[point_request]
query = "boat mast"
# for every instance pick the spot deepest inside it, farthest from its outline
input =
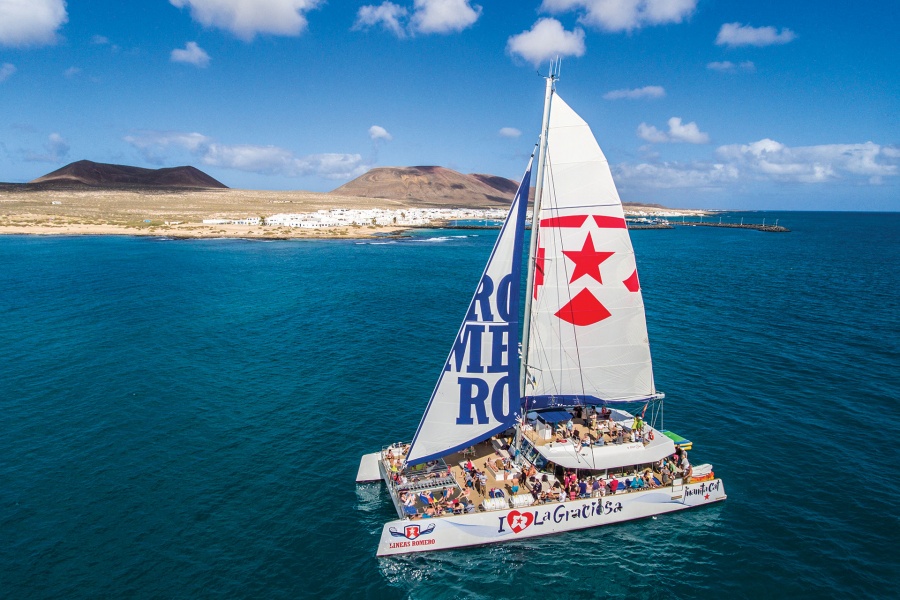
(535, 223)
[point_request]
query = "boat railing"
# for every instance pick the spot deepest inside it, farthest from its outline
(425, 484)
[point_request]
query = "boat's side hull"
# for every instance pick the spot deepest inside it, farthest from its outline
(402, 536)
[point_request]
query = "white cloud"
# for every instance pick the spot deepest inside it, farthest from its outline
(7, 70)
(377, 132)
(191, 54)
(509, 132)
(648, 91)
(678, 132)
(727, 66)
(768, 159)
(735, 34)
(623, 15)
(443, 16)
(427, 16)
(31, 22)
(545, 40)
(651, 134)
(668, 175)
(72, 72)
(387, 14)
(56, 150)
(688, 132)
(99, 40)
(154, 146)
(247, 18)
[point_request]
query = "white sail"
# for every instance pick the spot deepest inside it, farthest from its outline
(477, 394)
(588, 335)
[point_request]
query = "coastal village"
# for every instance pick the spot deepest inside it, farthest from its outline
(407, 217)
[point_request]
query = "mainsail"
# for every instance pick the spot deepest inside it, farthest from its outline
(588, 335)
(477, 394)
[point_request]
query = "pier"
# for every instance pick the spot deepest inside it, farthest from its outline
(776, 228)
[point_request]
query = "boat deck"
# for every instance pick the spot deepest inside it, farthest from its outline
(440, 488)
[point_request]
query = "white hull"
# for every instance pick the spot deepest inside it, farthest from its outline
(424, 535)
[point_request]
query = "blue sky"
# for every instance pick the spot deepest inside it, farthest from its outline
(701, 103)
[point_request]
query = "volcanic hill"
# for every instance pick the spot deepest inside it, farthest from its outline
(89, 173)
(431, 186)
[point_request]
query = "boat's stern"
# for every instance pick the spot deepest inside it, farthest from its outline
(368, 468)
(703, 492)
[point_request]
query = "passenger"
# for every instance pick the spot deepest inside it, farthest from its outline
(688, 470)
(637, 483)
(561, 494)
(582, 489)
(613, 485)
(602, 487)
(595, 488)
(536, 490)
(469, 466)
(409, 504)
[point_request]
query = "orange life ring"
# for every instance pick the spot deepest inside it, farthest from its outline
(651, 434)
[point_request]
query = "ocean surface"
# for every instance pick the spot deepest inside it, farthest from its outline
(184, 419)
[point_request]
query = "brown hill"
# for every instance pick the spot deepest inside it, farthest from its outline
(86, 172)
(435, 186)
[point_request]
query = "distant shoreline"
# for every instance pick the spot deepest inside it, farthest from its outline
(180, 213)
(194, 231)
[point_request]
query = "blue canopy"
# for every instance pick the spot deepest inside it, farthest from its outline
(554, 416)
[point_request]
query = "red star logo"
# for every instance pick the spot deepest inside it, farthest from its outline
(706, 497)
(587, 260)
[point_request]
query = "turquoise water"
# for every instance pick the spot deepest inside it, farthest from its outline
(185, 418)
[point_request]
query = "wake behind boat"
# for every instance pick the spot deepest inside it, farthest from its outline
(547, 435)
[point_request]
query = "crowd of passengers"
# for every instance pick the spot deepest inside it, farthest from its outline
(602, 429)
(449, 500)
(573, 487)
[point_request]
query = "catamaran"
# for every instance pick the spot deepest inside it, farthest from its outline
(547, 433)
